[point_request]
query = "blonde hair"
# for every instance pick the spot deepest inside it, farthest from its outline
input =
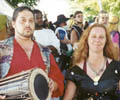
(113, 23)
(81, 54)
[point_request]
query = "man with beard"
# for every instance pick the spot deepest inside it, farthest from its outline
(21, 53)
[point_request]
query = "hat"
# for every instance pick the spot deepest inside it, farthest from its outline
(60, 18)
(113, 19)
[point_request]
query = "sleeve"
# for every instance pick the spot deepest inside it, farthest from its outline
(119, 71)
(57, 76)
(75, 75)
(61, 34)
(70, 75)
(55, 41)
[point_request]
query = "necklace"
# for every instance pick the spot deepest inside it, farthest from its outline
(97, 73)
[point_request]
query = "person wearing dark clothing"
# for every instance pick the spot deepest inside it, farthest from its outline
(77, 28)
(95, 74)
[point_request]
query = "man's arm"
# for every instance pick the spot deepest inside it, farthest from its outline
(56, 75)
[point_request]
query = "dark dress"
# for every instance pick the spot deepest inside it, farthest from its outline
(107, 88)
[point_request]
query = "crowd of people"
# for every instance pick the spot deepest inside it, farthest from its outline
(80, 58)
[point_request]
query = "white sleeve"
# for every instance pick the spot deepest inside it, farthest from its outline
(55, 41)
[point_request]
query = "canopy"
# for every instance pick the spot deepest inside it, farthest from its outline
(5, 8)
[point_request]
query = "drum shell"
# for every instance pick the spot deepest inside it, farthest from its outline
(22, 86)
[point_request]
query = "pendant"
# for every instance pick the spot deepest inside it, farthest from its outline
(95, 83)
(96, 79)
(90, 98)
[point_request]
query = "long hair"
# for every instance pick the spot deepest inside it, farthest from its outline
(82, 53)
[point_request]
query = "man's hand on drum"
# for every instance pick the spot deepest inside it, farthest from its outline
(52, 85)
(2, 97)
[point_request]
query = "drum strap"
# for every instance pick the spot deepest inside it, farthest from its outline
(46, 57)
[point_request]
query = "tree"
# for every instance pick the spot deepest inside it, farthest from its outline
(30, 3)
(91, 7)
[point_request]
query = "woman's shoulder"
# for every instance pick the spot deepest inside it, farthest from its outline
(75, 73)
(80, 64)
(77, 67)
(114, 64)
(111, 61)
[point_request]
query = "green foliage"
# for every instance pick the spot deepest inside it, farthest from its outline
(15, 3)
(91, 7)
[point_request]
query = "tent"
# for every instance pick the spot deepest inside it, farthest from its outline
(5, 8)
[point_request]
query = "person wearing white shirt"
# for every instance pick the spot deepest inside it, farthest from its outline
(45, 37)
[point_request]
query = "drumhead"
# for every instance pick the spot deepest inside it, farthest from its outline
(38, 84)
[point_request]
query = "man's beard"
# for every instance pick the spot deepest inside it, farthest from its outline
(28, 35)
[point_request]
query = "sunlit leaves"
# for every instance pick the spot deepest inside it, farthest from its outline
(30, 3)
(91, 7)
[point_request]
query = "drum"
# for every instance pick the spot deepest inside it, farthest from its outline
(29, 85)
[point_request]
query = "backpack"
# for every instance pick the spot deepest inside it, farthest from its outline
(78, 30)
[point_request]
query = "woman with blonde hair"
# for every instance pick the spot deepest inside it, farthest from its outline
(95, 74)
(113, 29)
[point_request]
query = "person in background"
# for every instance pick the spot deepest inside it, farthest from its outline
(61, 31)
(45, 24)
(21, 53)
(45, 37)
(51, 26)
(103, 18)
(77, 28)
(95, 74)
(65, 44)
(113, 29)
(95, 19)
(86, 24)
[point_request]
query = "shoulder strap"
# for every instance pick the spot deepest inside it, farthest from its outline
(6, 54)
(45, 53)
(78, 30)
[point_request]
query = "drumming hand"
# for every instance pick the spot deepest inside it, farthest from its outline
(53, 85)
(2, 97)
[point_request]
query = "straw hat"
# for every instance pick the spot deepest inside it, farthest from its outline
(114, 19)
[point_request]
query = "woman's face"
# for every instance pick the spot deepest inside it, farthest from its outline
(97, 39)
(79, 18)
